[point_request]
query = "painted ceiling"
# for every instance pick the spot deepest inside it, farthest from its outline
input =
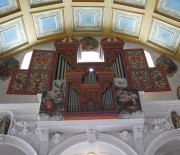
(24, 23)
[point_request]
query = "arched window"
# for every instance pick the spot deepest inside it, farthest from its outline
(26, 60)
(149, 59)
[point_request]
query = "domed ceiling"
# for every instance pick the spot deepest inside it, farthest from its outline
(24, 23)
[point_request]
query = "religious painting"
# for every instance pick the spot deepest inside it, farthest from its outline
(120, 82)
(7, 67)
(4, 125)
(178, 92)
(89, 44)
(175, 119)
(128, 100)
(167, 64)
(5, 122)
(53, 102)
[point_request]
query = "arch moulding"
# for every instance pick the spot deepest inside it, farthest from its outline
(100, 137)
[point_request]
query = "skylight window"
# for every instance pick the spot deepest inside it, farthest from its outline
(26, 60)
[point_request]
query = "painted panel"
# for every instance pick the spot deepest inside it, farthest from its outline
(169, 7)
(7, 6)
(173, 4)
(133, 2)
(164, 35)
(127, 23)
(9, 35)
(87, 19)
(48, 23)
(12, 34)
(32, 2)
(4, 3)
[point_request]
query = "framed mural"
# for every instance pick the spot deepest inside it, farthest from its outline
(128, 100)
(89, 44)
(167, 64)
(6, 68)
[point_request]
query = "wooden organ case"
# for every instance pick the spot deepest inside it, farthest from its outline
(90, 94)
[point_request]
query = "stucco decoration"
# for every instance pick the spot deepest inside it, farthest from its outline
(126, 22)
(6, 68)
(19, 144)
(169, 7)
(100, 137)
(87, 18)
(12, 34)
(8, 6)
(164, 35)
(48, 23)
(167, 64)
(161, 139)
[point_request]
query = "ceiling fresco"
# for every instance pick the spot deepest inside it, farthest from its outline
(24, 23)
(140, 3)
(38, 3)
(12, 34)
(169, 7)
(48, 23)
(165, 35)
(86, 19)
(126, 22)
(7, 6)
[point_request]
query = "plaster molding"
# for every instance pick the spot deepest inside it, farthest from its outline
(162, 139)
(100, 137)
(137, 131)
(19, 143)
(44, 135)
(91, 135)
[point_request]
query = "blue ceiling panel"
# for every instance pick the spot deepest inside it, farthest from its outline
(9, 35)
(49, 23)
(169, 7)
(4, 3)
(88, 19)
(126, 23)
(173, 4)
(165, 35)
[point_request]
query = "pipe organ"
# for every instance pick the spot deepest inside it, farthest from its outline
(90, 94)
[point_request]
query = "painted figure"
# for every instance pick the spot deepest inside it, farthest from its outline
(175, 119)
